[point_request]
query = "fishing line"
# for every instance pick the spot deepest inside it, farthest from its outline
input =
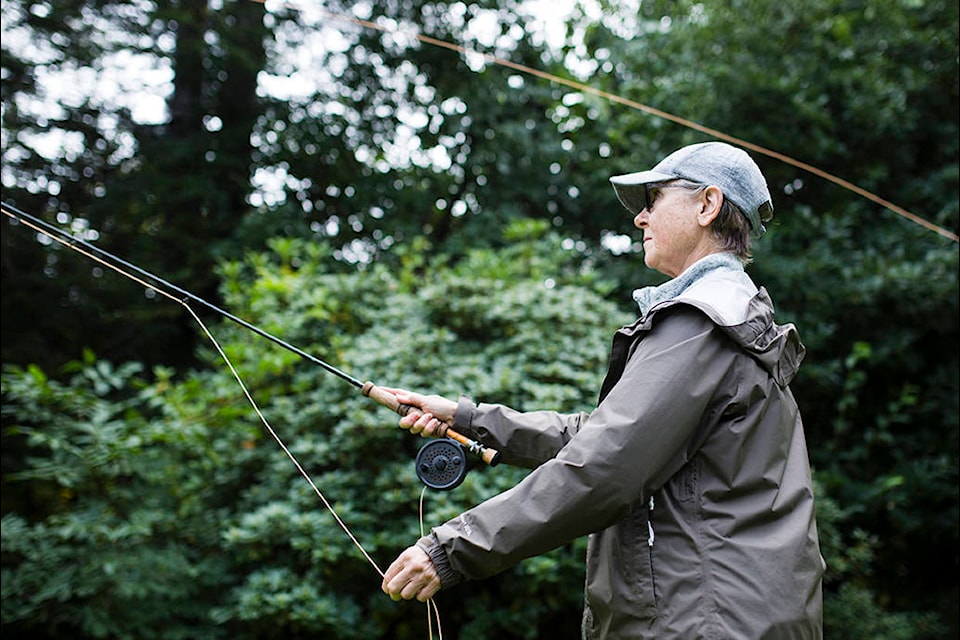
(612, 97)
(432, 610)
(58, 236)
(158, 284)
(84, 248)
(370, 390)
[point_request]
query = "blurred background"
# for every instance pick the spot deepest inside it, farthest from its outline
(419, 213)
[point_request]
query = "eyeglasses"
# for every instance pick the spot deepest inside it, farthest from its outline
(656, 187)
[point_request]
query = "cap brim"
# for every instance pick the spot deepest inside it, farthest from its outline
(631, 188)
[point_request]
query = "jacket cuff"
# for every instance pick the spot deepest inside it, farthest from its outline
(449, 576)
(463, 418)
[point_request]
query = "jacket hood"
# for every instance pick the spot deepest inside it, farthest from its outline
(746, 314)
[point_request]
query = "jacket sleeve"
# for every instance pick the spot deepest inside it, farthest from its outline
(643, 431)
(523, 439)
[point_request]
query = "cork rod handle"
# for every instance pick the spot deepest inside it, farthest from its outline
(387, 399)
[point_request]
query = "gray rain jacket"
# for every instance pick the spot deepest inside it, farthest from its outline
(691, 478)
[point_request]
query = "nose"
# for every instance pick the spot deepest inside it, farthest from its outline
(640, 220)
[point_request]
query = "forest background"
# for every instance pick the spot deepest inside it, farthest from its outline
(432, 218)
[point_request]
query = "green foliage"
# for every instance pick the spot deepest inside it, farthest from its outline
(401, 168)
(171, 493)
(119, 531)
(492, 325)
(851, 609)
(131, 183)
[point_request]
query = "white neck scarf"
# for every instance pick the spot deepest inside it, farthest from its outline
(647, 297)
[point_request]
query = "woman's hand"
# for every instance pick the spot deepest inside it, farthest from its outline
(411, 575)
(429, 413)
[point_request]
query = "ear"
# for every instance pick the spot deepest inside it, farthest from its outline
(710, 200)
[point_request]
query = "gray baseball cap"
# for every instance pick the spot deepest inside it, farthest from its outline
(708, 163)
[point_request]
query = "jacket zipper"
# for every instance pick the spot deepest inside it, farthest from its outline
(650, 524)
(650, 539)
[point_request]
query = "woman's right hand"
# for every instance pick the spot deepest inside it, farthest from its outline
(430, 415)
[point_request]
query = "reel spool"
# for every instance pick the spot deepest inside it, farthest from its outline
(442, 464)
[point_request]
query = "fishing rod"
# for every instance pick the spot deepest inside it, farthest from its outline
(439, 463)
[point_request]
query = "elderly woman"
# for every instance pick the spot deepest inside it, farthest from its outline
(691, 476)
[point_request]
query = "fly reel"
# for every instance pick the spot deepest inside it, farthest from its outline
(442, 464)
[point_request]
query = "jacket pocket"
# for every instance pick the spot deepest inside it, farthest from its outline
(620, 577)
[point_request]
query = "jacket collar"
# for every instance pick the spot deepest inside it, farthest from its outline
(647, 297)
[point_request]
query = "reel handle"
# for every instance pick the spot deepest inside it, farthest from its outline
(387, 399)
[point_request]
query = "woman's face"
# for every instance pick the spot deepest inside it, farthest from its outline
(673, 236)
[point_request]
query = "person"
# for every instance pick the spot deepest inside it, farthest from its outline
(691, 476)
